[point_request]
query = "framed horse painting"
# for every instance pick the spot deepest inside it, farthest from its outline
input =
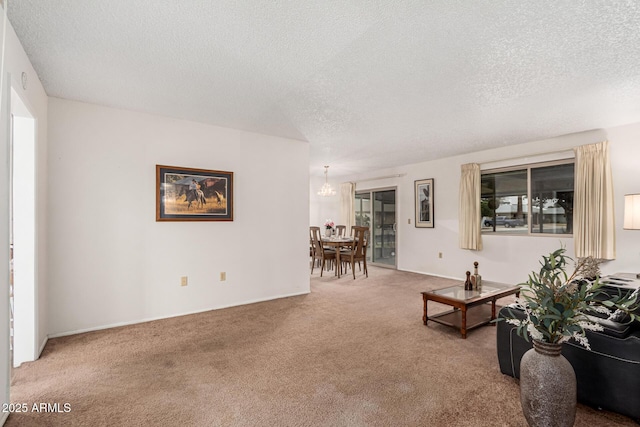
(187, 194)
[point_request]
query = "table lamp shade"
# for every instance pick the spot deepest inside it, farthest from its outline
(632, 212)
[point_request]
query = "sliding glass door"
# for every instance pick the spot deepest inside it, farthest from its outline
(376, 209)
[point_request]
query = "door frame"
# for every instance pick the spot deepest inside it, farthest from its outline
(375, 190)
(23, 230)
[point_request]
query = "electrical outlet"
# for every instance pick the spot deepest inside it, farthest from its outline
(184, 281)
(439, 254)
(223, 276)
(409, 221)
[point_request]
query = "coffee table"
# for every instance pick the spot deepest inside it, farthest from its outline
(461, 317)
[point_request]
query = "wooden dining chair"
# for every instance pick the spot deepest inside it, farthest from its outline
(366, 241)
(353, 229)
(312, 249)
(320, 253)
(365, 246)
(341, 230)
(358, 250)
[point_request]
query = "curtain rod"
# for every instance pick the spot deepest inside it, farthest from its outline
(398, 175)
(569, 153)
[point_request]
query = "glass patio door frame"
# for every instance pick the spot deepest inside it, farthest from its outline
(373, 220)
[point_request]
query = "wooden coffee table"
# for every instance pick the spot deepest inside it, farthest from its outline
(461, 317)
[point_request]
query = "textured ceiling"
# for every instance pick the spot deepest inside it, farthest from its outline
(369, 84)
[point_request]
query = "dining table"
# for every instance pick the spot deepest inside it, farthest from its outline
(337, 243)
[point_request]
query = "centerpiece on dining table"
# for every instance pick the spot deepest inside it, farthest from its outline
(329, 227)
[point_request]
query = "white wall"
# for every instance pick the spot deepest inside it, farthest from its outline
(35, 99)
(112, 263)
(503, 258)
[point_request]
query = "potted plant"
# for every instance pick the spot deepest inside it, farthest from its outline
(559, 307)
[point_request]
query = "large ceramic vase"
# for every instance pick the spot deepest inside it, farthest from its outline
(547, 386)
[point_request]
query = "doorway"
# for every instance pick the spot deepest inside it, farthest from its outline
(376, 209)
(22, 285)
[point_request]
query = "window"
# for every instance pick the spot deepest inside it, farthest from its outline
(535, 199)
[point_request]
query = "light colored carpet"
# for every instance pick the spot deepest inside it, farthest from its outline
(351, 353)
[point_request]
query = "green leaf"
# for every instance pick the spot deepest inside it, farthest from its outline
(555, 311)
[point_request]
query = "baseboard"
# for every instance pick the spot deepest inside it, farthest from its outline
(433, 274)
(460, 279)
(44, 343)
(35, 356)
(151, 319)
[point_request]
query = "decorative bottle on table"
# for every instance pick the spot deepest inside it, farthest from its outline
(468, 286)
(476, 279)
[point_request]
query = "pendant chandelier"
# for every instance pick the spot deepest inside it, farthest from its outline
(326, 189)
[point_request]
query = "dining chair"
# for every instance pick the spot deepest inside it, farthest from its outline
(358, 250)
(365, 246)
(320, 253)
(341, 230)
(312, 246)
(366, 241)
(312, 249)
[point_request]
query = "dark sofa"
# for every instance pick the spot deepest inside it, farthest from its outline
(608, 376)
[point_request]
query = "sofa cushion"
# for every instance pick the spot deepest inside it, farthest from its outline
(619, 316)
(614, 328)
(610, 327)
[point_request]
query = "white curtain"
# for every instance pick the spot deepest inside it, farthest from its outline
(594, 222)
(347, 202)
(469, 208)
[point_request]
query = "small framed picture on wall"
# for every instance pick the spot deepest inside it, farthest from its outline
(424, 203)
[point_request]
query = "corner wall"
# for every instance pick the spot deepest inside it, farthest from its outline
(112, 263)
(35, 98)
(504, 258)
